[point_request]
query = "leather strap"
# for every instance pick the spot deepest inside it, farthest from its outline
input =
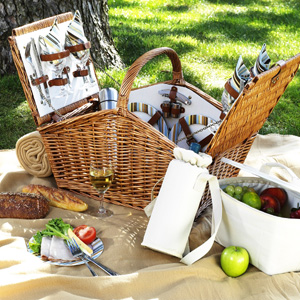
(173, 93)
(275, 79)
(155, 118)
(78, 47)
(55, 56)
(80, 73)
(176, 110)
(282, 64)
(166, 108)
(39, 80)
(187, 131)
(232, 92)
(222, 115)
(58, 82)
(206, 140)
(66, 70)
(56, 118)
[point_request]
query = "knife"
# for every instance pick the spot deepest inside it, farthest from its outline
(34, 75)
(179, 97)
(40, 70)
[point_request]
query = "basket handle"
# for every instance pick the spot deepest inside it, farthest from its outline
(133, 71)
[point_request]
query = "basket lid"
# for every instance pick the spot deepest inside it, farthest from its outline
(42, 87)
(293, 185)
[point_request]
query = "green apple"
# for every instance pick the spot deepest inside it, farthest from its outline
(234, 261)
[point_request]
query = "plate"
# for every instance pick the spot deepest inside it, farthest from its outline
(195, 122)
(97, 246)
(145, 112)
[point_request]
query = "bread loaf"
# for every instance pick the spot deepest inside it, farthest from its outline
(57, 197)
(23, 206)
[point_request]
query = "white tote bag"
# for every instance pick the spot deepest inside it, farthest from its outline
(174, 210)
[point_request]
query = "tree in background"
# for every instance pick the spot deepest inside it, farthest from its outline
(94, 15)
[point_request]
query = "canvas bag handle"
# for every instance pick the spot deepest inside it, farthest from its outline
(172, 213)
(293, 185)
(266, 168)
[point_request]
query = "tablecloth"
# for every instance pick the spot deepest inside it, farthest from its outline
(145, 274)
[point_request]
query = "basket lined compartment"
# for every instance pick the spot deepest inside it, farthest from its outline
(141, 154)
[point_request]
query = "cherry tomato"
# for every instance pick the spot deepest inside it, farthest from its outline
(87, 234)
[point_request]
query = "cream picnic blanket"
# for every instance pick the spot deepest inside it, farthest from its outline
(32, 156)
(145, 274)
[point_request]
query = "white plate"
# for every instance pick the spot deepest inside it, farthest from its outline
(145, 112)
(195, 122)
(97, 246)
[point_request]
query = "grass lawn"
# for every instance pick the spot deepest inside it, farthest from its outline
(209, 36)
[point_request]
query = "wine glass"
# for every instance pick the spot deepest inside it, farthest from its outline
(75, 36)
(50, 44)
(101, 177)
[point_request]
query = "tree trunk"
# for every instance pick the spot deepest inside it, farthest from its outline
(94, 13)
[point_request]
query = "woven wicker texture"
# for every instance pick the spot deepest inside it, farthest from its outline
(139, 153)
(254, 105)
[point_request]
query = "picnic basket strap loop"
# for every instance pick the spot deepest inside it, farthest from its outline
(136, 67)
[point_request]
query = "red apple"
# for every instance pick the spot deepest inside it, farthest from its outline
(279, 193)
(270, 204)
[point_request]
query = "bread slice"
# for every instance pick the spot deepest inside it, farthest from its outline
(57, 197)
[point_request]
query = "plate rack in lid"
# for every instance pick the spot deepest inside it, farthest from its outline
(76, 102)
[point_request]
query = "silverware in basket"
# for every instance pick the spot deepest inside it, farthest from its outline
(34, 76)
(84, 257)
(76, 252)
(40, 69)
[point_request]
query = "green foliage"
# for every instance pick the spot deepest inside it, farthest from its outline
(15, 115)
(208, 35)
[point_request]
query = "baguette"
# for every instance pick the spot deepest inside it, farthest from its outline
(57, 197)
(23, 206)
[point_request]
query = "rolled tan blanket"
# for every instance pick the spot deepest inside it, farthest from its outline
(32, 156)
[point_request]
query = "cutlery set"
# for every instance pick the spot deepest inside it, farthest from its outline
(51, 54)
(77, 252)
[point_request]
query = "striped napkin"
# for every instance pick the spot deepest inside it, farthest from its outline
(50, 44)
(262, 62)
(75, 35)
(239, 79)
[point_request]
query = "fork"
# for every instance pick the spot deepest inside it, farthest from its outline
(87, 257)
(76, 252)
(29, 59)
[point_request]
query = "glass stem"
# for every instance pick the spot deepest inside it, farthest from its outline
(101, 208)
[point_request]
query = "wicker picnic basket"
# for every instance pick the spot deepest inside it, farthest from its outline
(141, 154)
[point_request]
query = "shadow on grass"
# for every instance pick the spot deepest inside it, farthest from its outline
(251, 26)
(14, 110)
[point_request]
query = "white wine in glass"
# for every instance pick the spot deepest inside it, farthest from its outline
(101, 178)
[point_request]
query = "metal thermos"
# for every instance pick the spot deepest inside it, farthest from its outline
(108, 98)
